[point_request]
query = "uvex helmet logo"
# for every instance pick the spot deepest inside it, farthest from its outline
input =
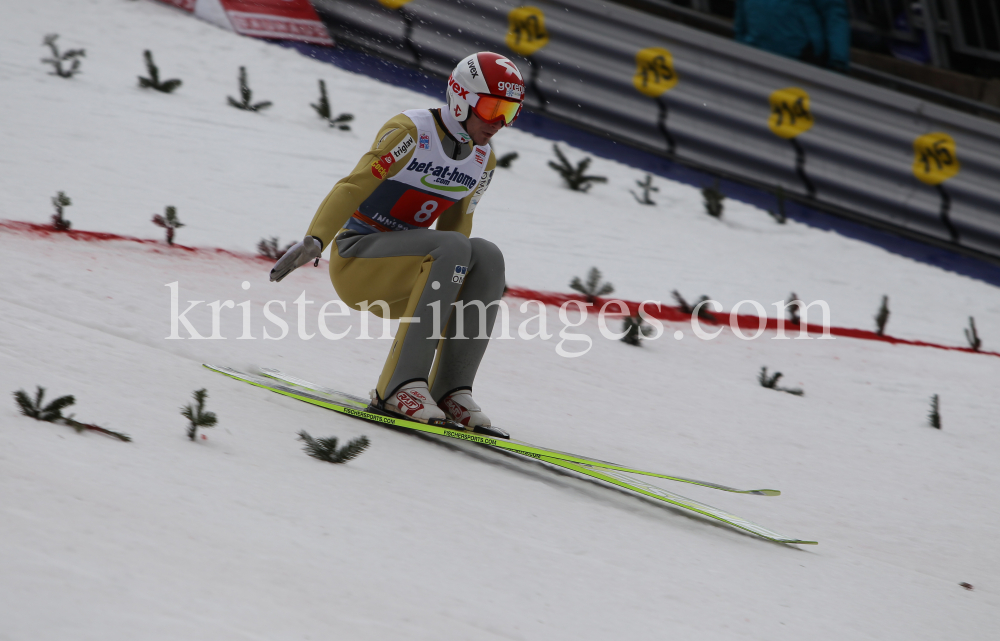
(509, 66)
(473, 69)
(457, 88)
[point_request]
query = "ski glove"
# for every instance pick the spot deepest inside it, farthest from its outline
(299, 254)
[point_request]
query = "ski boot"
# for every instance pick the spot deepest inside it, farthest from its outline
(462, 409)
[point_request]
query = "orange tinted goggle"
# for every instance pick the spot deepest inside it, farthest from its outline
(491, 109)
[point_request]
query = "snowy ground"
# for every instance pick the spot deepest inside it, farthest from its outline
(242, 536)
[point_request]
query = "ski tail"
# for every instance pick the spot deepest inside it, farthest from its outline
(615, 478)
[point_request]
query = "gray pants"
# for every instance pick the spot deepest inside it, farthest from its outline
(416, 272)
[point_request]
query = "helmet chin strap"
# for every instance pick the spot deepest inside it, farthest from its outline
(455, 128)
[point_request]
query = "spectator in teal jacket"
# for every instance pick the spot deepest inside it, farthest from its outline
(814, 31)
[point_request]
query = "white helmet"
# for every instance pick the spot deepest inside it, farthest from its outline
(488, 75)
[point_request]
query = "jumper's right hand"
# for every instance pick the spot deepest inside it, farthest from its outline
(309, 248)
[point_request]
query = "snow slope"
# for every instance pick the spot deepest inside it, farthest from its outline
(242, 536)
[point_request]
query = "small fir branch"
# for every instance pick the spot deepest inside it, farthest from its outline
(268, 248)
(322, 108)
(793, 305)
(646, 186)
(196, 414)
(713, 200)
(779, 213)
(683, 305)
(170, 222)
(771, 382)
(246, 103)
(52, 412)
(972, 336)
(507, 160)
(576, 177)
(59, 201)
(72, 56)
(593, 288)
(934, 416)
(882, 317)
(325, 449)
(153, 81)
(34, 408)
(635, 329)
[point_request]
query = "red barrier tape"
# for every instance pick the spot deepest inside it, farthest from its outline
(745, 322)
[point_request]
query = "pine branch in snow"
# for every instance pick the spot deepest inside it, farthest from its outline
(593, 288)
(323, 109)
(325, 449)
(196, 414)
(972, 336)
(72, 56)
(507, 160)
(52, 412)
(34, 408)
(934, 417)
(153, 81)
(683, 305)
(635, 329)
(793, 305)
(882, 317)
(59, 201)
(268, 248)
(713, 200)
(646, 186)
(246, 101)
(771, 382)
(576, 177)
(170, 222)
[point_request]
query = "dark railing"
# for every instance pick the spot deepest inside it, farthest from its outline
(967, 27)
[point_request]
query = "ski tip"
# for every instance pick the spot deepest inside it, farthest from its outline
(765, 492)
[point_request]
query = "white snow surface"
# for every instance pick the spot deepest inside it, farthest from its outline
(243, 536)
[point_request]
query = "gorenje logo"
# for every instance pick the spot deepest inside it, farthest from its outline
(513, 90)
(442, 177)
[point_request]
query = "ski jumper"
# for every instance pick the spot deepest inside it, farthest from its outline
(421, 169)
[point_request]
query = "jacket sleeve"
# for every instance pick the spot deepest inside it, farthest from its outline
(458, 217)
(352, 190)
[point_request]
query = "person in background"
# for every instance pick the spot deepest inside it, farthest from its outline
(813, 31)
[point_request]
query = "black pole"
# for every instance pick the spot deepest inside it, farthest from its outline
(533, 83)
(662, 122)
(800, 168)
(407, 35)
(946, 213)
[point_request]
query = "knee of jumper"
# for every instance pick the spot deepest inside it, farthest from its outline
(452, 246)
(487, 256)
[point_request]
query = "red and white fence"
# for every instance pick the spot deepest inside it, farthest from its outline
(279, 19)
